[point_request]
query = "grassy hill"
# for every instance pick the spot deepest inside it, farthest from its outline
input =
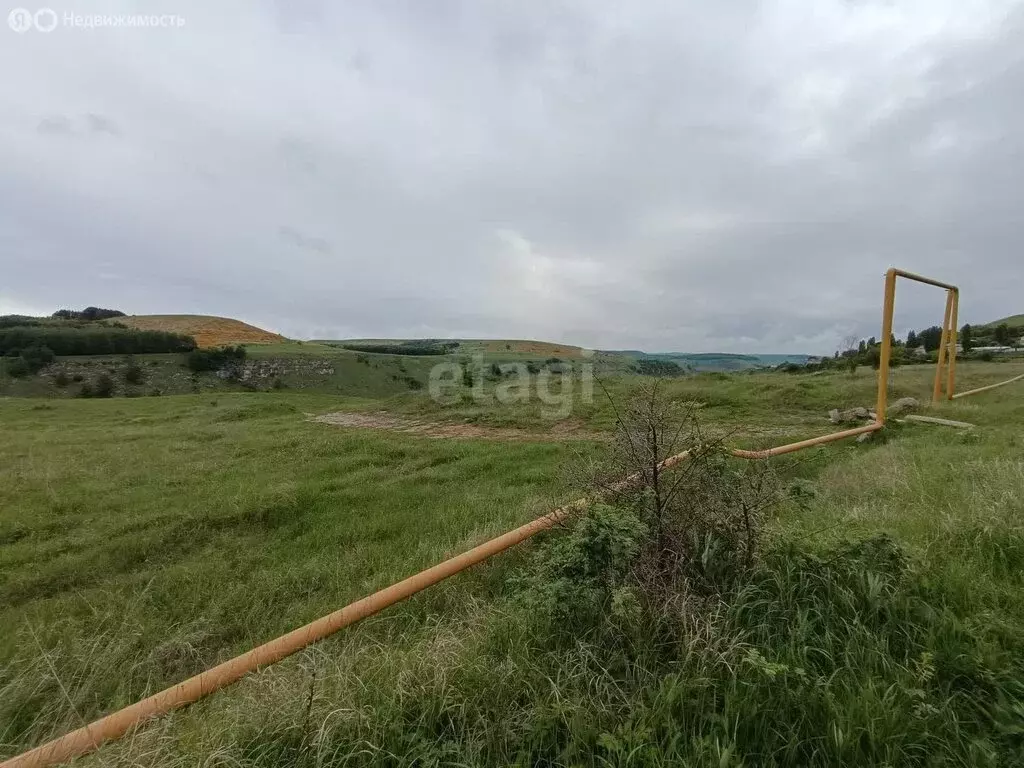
(207, 330)
(1014, 321)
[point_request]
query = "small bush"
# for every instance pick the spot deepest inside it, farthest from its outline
(199, 360)
(61, 378)
(103, 386)
(85, 390)
(77, 378)
(134, 374)
(575, 577)
(17, 367)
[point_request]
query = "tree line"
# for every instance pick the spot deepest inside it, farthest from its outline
(95, 340)
(29, 343)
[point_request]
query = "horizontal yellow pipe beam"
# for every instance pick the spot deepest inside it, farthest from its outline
(990, 386)
(778, 451)
(922, 279)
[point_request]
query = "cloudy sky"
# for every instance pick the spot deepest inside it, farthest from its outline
(695, 176)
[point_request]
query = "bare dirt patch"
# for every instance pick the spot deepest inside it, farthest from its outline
(561, 430)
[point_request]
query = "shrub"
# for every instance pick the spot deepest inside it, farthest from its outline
(61, 378)
(199, 360)
(575, 576)
(77, 377)
(692, 534)
(17, 367)
(133, 374)
(85, 390)
(103, 386)
(532, 368)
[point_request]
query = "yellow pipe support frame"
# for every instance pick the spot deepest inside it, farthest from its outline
(943, 347)
(947, 346)
(986, 389)
(89, 737)
(951, 370)
(886, 351)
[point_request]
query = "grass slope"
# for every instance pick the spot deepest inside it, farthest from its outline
(142, 540)
(500, 347)
(207, 330)
(1014, 321)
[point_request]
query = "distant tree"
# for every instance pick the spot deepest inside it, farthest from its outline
(88, 314)
(872, 342)
(965, 337)
(1002, 335)
(875, 357)
(862, 347)
(912, 341)
(893, 341)
(931, 338)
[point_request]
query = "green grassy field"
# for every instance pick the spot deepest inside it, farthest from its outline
(142, 540)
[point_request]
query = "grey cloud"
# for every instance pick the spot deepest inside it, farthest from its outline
(100, 124)
(294, 237)
(658, 175)
(56, 125)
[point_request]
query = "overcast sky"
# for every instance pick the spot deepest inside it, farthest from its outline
(687, 176)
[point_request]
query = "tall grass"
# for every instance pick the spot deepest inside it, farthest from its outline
(882, 625)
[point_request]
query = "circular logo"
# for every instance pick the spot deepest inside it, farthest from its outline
(20, 20)
(45, 19)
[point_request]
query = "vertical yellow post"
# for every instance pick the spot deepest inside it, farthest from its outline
(883, 359)
(937, 386)
(951, 372)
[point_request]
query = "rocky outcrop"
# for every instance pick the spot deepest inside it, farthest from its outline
(261, 371)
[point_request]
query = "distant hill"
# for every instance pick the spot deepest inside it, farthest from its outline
(1014, 321)
(715, 361)
(527, 348)
(208, 331)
